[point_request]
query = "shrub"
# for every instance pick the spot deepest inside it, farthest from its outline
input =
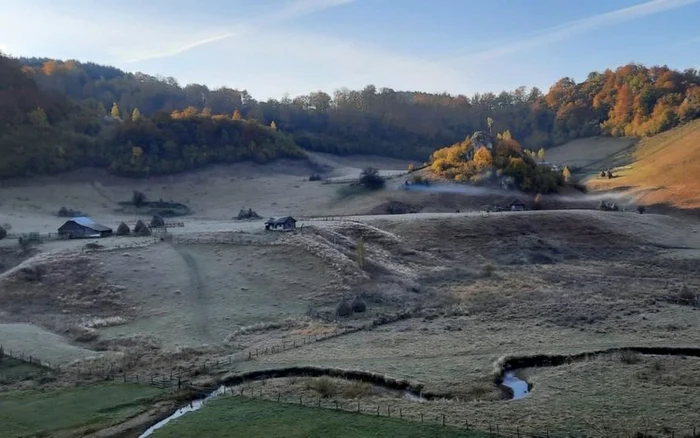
(343, 308)
(641, 209)
(3, 233)
(157, 222)
(357, 389)
(357, 305)
(140, 229)
(324, 386)
(487, 271)
(123, 230)
(686, 296)
(315, 177)
(371, 179)
(138, 198)
(629, 357)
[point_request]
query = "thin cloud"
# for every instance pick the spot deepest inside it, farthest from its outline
(294, 9)
(571, 29)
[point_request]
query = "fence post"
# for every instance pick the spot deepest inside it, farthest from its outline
(421, 417)
(300, 399)
(388, 411)
(377, 410)
(517, 431)
(358, 406)
(400, 413)
(279, 394)
(443, 420)
(336, 407)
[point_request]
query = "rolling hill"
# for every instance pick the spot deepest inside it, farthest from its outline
(665, 169)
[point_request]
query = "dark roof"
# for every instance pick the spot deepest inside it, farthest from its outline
(516, 201)
(89, 223)
(279, 220)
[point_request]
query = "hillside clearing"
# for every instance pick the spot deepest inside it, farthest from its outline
(591, 155)
(665, 169)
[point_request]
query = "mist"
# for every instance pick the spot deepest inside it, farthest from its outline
(470, 190)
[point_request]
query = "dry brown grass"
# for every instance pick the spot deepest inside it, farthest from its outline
(665, 169)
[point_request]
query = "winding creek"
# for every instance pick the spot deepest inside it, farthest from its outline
(515, 387)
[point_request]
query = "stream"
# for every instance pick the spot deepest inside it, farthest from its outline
(191, 407)
(519, 387)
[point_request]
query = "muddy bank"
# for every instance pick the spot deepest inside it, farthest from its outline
(510, 363)
(309, 371)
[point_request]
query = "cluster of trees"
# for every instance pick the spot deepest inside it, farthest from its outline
(42, 131)
(505, 162)
(632, 100)
(55, 116)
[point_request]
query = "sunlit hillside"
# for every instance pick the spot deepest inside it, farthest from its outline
(665, 170)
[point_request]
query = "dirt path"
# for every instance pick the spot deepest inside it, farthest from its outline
(199, 294)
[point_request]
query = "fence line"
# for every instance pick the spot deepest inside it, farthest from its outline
(437, 417)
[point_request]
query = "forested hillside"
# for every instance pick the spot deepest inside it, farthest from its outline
(43, 131)
(632, 100)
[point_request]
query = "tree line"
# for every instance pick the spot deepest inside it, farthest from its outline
(44, 131)
(206, 125)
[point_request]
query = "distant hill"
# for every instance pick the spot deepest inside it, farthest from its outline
(665, 169)
(42, 131)
(632, 100)
(136, 124)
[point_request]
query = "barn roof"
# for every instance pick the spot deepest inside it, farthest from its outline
(89, 223)
(279, 220)
(516, 201)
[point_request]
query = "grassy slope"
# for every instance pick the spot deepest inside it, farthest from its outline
(237, 417)
(666, 169)
(67, 412)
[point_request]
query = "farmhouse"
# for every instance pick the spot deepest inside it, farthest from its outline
(79, 227)
(281, 223)
(516, 205)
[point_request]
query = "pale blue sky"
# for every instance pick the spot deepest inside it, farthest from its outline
(272, 47)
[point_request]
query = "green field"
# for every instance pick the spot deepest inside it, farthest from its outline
(14, 370)
(69, 412)
(239, 417)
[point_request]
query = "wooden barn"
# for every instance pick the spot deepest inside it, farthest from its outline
(281, 223)
(516, 205)
(80, 227)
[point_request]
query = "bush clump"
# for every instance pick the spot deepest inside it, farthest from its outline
(343, 308)
(138, 198)
(371, 179)
(140, 229)
(357, 389)
(157, 222)
(123, 230)
(686, 296)
(487, 270)
(324, 386)
(315, 177)
(629, 357)
(641, 209)
(358, 305)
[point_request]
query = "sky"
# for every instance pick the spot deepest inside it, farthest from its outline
(277, 47)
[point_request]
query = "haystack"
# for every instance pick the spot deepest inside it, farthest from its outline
(140, 229)
(157, 222)
(343, 308)
(123, 230)
(357, 305)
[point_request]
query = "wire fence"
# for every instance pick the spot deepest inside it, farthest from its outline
(420, 414)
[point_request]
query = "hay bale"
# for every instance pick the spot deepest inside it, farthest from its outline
(343, 308)
(140, 229)
(357, 305)
(157, 222)
(123, 230)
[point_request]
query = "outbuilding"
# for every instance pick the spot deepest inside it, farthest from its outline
(80, 227)
(516, 205)
(281, 223)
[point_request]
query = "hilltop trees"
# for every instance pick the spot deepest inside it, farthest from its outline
(457, 162)
(183, 127)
